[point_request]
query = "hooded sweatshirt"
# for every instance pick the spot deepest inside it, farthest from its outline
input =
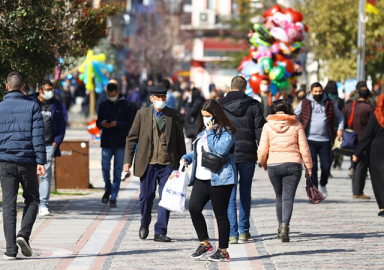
(318, 128)
(246, 114)
(283, 140)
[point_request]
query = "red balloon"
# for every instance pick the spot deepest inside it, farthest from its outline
(295, 15)
(289, 66)
(254, 82)
(306, 28)
(274, 9)
(93, 129)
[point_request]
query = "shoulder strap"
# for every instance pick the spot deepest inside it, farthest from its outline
(350, 121)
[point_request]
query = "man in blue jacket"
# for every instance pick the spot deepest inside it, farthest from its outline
(22, 152)
(54, 131)
(115, 118)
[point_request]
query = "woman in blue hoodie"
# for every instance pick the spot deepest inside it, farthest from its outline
(216, 135)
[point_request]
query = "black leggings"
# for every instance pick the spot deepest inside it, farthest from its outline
(202, 192)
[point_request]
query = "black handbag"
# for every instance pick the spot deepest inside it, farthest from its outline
(213, 162)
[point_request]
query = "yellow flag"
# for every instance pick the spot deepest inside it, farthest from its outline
(369, 8)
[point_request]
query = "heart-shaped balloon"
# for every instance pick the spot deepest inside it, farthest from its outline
(274, 9)
(295, 15)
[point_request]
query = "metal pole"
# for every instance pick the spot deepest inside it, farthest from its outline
(361, 42)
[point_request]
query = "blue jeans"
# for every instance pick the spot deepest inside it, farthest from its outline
(106, 156)
(45, 180)
(245, 171)
(323, 149)
(153, 176)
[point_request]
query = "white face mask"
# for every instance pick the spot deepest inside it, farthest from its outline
(113, 99)
(159, 104)
(206, 120)
(48, 95)
(264, 87)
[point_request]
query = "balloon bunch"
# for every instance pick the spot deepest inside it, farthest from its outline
(91, 68)
(94, 131)
(274, 50)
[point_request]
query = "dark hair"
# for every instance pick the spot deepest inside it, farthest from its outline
(360, 85)
(195, 94)
(15, 80)
(331, 88)
(282, 105)
(238, 83)
(316, 84)
(45, 82)
(112, 87)
(221, 119)
(166, 84)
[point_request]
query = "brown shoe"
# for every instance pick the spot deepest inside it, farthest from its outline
(362, 196)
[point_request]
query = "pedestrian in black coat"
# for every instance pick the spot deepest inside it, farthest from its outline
(372, 141)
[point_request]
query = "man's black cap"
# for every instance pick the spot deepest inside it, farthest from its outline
(158, 90)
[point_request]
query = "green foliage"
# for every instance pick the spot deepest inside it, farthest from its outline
(333, 26)
(35, 34)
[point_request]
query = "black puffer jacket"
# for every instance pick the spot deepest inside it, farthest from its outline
(246, 114)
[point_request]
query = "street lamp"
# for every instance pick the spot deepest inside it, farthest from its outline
(361, 42)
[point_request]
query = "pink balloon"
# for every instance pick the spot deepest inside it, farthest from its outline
(260, 55)
(301, 34)
(291, 31)
(279, 34)
(281, 19)
(275, 47)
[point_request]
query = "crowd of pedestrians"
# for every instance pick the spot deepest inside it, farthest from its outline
(145, 129)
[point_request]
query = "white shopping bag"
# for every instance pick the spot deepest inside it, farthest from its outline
(175, 191)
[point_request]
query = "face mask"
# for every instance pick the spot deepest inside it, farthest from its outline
(364, 93)
(48, 95)
(113, 99)
(159, 104)
(206, 120)
(301, 97)
(263, 87)
(318, 98)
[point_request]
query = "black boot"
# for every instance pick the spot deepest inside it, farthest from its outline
(284, 232)
(278, 232)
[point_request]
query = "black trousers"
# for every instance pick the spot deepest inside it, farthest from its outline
(285, 178)
(11, 175)
(202, 192)
(360, 174)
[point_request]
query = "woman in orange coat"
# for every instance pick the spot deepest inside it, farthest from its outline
(282, 150)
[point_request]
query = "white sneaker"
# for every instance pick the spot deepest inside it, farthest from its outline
(43, 211)
(323, 190)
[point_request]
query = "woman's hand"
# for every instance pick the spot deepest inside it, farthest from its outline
(355, 158)
(308, 172)
(183, 161)
(264, 166)
(211, 125)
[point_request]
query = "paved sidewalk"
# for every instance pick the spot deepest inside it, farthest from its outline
(82, 233)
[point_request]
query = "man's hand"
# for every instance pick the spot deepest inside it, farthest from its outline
(339, 134)
(127, 167)
(355, 158)
(40, 170)
(113, 124)
(54, 144)
(105, 124)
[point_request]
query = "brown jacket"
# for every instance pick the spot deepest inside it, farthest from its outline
(141, 134)
(283, 140)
